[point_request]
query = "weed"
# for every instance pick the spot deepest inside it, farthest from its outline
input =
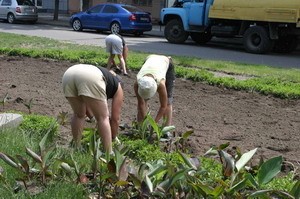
(4, 100)
(30, 104)
(62, 118)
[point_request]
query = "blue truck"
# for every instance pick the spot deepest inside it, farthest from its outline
(263, 25)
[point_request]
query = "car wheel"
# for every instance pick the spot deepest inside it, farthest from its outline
(115, 28)
(11, 18)
(257, 40)
(175, 33)
(76, 25)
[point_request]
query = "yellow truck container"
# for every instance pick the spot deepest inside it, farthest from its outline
(264, 25)
(257, 10)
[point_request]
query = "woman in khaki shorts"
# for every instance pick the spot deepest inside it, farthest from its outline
(87, 89)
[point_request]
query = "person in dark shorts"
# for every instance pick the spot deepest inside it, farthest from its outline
(156, 75)
(115, 45)
(87, 89)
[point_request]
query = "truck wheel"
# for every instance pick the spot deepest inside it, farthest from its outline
(174, 32)
(256, 40)
(285, 44)
(201, 38)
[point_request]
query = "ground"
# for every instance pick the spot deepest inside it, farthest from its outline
(217, 115)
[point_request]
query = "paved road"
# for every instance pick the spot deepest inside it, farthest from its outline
(218, 49)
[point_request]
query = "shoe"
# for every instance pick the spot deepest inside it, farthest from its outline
(126, 75)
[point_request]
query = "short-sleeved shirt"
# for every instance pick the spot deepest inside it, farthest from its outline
(112, 82)
(161, 68)
(156, 65)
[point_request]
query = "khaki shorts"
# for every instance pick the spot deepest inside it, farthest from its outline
(114, 44)
(84, 80)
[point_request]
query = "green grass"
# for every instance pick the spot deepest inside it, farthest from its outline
(135, 59)
(289, 74)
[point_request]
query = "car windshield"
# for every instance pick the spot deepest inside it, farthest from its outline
(132, 9)
(25, 3)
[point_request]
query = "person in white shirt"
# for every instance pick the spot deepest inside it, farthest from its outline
(156, 75)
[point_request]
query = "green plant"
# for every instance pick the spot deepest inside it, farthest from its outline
(30, 104)
(70, 166)
(4, 100)
(238, 180)
(178, 142)
(159, 131)
(38, 125)
(62, 118)
(21, 164)
(149, 129)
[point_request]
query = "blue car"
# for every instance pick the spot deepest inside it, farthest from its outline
(117, 18)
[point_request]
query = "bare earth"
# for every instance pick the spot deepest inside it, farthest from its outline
(217, 115)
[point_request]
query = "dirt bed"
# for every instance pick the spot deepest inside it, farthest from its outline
(217, 115)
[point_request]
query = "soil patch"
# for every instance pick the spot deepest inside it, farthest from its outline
(217, 115)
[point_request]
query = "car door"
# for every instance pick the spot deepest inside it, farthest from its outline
(90, 18)
(196, 13)
(4, 8)
(108, 14)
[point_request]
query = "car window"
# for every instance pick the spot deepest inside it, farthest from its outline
(25, 3)
(96, 9)
(132, 9)
(110, 9)
(6, 3)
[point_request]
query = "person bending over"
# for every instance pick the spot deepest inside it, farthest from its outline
(156, 75)
(87, 89)
(115, 45)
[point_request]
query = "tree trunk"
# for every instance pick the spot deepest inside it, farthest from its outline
(56, 8)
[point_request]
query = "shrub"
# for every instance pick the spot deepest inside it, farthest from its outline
(38, 124)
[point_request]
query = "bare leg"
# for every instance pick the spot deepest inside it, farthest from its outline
(169, 114)
(122, 62)
(101, 113)
(77, 122)
(110, 61)
(142, 105)
(125, 54)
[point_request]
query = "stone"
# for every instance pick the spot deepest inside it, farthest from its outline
(10, 120)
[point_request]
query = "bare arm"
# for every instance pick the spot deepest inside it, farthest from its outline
(117, 102)
(142, 105)
(163, 99)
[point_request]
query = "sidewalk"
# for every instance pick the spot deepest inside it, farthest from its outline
(63, 20)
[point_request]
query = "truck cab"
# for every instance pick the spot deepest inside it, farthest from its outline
(187, 17)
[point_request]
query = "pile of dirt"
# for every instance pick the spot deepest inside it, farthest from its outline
(217, 115)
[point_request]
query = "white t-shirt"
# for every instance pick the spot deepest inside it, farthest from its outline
(156, 65)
